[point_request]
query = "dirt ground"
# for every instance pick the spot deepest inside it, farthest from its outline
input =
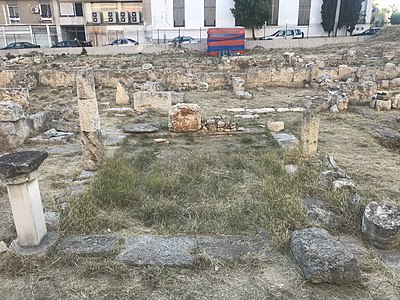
(348, 136)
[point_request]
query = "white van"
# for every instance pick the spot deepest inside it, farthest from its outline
(285, 34)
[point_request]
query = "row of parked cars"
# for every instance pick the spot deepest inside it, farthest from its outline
(294, 33)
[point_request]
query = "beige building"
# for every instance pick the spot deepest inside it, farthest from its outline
(46, 22)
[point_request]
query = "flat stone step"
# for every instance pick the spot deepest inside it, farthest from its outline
(286, 140)
(183, 250)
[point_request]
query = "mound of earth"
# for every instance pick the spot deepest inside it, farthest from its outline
(388, 34)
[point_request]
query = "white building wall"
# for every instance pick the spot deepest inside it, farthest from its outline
(288, 12)
(224, 17)
(162, 14)
(194, 13)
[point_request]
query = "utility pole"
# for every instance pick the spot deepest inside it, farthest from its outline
(335, 26)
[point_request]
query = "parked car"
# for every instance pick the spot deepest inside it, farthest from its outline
(20, 45)
(370, 31)
(183, 40)
(123, 42)
(72, 43)
(285, 34)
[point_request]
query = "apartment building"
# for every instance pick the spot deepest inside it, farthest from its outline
(46, 22)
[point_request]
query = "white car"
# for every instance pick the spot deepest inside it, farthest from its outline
(285, 34)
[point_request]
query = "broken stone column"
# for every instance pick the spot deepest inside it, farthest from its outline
(18, 171)
(309, 133)
(89, 119)
(184, 118)
(122, 96)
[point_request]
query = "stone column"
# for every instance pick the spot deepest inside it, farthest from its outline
(89, 119)
(309, 133)
(18, 171)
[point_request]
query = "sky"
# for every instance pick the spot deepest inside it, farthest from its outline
(387, 3)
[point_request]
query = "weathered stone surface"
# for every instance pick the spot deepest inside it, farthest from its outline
(275, 126)
(122, 96)
(395, 82)
(381, 225)
(10, 111)
(343, 183)
(383, 105)
(258, 110)
(40, 120)
(143, 101)
(91, 148)
(140, 128)
(19, 163)
(229, 247)
(286, 140)
(3, 247)
(184, 118)
(49, 133)
(320, 215)
(291, 169)
(309, 133)
(157, 250)
(85, 84)
(243, 95)
(322, 259)
(18, 95)
(47, 245)
(238, 84)
(388, 137)
(147, 66)
(219, 124)
(177, 98)
(64, 126)
(52, 219)
(339, 99)
(202, 86)
(13, 134)
(89, 115)
(89, 245)
(151, 86)
(391, 259)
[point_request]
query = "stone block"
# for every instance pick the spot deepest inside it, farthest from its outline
(151, 86)
(122, 96)
(19, 163)
(275, 126)
(381, 225)
(143, 101)
(383, 105)
(320, 215)
(238, 84)
(140, 128)
(385, 84)
(202, 86)
(64, 126)
(286, 140)
(184, 118)
(13, 134)
(10, 111)
(40, 120)
(147, 66)
(322, 259)
(20, 95)
(157, 250)
(44, 249)
(243, 95)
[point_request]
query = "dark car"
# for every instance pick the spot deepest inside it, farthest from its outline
(20, 45)
(72, 43)
(370, 31)
(123, 42)
(184, 40)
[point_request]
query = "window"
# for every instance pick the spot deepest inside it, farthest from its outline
(13, 13)
(304, 12)
(209, 12)
(179, 13)
(275, 13)
(71, 9)
(45, 12)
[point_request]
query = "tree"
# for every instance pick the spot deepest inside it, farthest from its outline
(328, 11)
(349, 14)
(252, 13)
(395, 18)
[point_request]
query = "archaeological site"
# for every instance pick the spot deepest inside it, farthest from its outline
(174, 175)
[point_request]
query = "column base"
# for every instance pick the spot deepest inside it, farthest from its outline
(46, 246)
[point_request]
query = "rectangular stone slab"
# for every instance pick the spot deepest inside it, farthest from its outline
(18, 163)
(157, 250)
